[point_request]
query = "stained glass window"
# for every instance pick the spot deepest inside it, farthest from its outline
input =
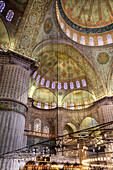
(42, 81)
(46, 105)
(91, 42)
(74, 37)
(59, 85)
(65, 86)
(83, 82)
(47, 83)
(62, 25)
(100, 41)
(92, 100)
(39, 104)
(82, 41)
(79, 106)
(109, 39)
(38, 78)
(86, 104)
(53, 85)
(68, 32)
(78, 84)
(34, 75)
(72, 105)
(65, 105)
(37, 125)
(71, 85)
(2, 6)
(10, 15)
(53, 105)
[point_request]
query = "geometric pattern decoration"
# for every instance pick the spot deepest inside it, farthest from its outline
(86, 20)
(2, 6)
(102, 58)
(14, 106)
(30, 26)
(48, 25)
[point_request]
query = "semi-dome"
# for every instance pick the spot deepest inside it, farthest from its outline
(86, 22)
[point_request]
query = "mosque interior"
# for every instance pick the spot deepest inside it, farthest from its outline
(56, 85)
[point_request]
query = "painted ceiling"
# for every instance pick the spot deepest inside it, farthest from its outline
(58, 58)
(59, 62)
(87, 13)
(86, 17)
(79, 96)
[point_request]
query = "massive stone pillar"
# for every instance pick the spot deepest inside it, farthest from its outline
(14, 85)
(105, 111)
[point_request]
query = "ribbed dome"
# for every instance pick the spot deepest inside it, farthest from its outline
(82, 20)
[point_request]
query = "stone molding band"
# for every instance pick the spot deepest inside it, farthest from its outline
(11, 105)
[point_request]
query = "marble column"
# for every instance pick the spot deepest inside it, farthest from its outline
(14, 85)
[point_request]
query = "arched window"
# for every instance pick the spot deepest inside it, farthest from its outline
(62, 25)
(2, 6)
(46, 105)
(39, 104)
(86, 104)
(46, 130)
(37, 125)
(10, 15)
(91, 42)
(53, 105)
(82, 41)
(109, 39)
(78, 84)
(53, 85)
(42, 81)
(38, 78)
(59, 85)
(68, 32)
(65, 105)
(79, 106)
(74, 37)
(92, 100)
(71, 85)
(65, 86)
(34, 75)
(72, 105)
(100, 41)
(83, 82)
(47, 83)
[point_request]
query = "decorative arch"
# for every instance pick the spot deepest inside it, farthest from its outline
(83, 62)
(69, 128)
(87, 123)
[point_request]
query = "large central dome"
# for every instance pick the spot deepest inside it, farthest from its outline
(88, 22)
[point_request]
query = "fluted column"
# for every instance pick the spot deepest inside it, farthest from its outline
(105, 111)
(14, 85)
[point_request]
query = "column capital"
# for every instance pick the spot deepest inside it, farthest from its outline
(11, 57)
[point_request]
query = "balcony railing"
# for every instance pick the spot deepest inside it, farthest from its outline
(38, 134)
